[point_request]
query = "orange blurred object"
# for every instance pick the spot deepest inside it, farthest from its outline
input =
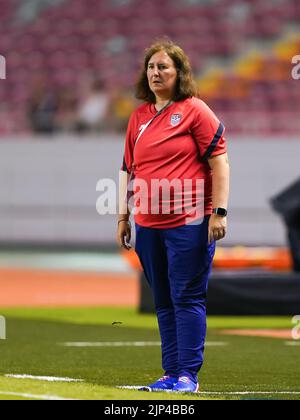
(278, 259)
(132, 259)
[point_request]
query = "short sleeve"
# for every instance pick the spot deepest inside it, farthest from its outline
(129, 145)
(207, 131)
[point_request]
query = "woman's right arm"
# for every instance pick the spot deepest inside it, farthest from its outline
(124, 226)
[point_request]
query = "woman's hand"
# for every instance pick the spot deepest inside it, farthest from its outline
(217, 228)
(124, 234)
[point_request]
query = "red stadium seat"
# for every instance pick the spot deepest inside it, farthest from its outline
(101, 37)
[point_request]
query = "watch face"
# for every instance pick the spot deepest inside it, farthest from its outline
(221, 212)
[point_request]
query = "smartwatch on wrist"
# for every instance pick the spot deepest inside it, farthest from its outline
(220, 211)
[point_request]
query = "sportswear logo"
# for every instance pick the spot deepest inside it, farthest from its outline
(175, 119)
(184, 379)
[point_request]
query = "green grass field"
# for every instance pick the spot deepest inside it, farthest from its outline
(256, 367)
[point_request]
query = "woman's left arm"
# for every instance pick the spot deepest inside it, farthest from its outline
(220, 193)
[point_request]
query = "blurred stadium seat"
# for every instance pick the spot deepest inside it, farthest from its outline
(67, 40)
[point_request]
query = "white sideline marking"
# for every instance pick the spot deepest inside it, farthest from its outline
(43, 378)
(36, 397)
(292, 343)
(252, 393)
(226, 393)
(128, 344)
(112, 344)
(215, 344)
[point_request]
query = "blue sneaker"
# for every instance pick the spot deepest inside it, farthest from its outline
(163, 384)
(185, 384)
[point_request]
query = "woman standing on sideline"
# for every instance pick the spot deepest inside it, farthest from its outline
(172, 136)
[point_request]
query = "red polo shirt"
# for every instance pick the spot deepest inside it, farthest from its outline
(174, 148)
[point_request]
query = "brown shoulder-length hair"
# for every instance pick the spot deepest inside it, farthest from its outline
(185, 87)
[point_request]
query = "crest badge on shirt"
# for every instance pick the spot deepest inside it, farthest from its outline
(175, 119)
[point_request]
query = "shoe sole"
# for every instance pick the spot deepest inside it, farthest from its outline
(145, 389)
(149, 389)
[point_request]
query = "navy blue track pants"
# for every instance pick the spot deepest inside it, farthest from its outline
(177, 263)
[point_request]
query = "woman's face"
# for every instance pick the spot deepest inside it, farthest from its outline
(162, 75)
